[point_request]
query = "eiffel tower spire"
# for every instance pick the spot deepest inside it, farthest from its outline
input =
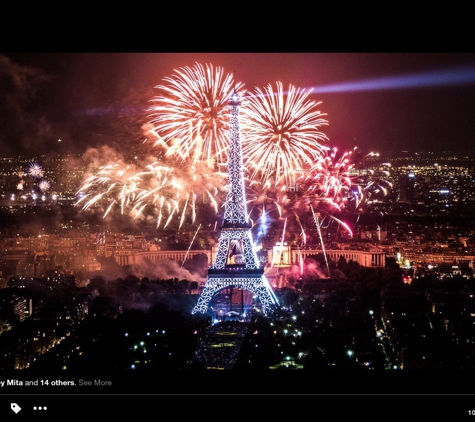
(235, 213)
(236, 263)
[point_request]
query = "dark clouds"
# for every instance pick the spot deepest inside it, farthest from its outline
(94, 99)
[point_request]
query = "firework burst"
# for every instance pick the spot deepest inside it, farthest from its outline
(156, 191)
(116, 185)
(44, 186)
(191, 113)
(281, 133)
(326, 189)
(35, 170)
(370, 182)
(339, 183)
(329, 180)
(177, 191)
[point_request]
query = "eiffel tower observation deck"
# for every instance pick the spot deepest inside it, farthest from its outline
(236, 264)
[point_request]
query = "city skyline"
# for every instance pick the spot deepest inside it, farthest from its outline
(70, 102)
(102, 336)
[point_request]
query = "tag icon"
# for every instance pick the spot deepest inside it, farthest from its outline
(15, 407)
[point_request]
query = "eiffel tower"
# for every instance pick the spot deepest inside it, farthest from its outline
(236, 264)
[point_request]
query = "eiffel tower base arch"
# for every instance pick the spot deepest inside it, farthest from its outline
(253, 284)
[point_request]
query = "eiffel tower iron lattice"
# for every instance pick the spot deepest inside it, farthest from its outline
(236, 264)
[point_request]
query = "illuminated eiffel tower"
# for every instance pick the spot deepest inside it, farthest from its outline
(236, 264)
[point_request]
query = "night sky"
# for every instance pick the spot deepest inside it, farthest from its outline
(377, 102)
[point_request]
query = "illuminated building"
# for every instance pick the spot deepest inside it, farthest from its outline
(14, 308)
(236, 264)
(406, 187)
(285, 256)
